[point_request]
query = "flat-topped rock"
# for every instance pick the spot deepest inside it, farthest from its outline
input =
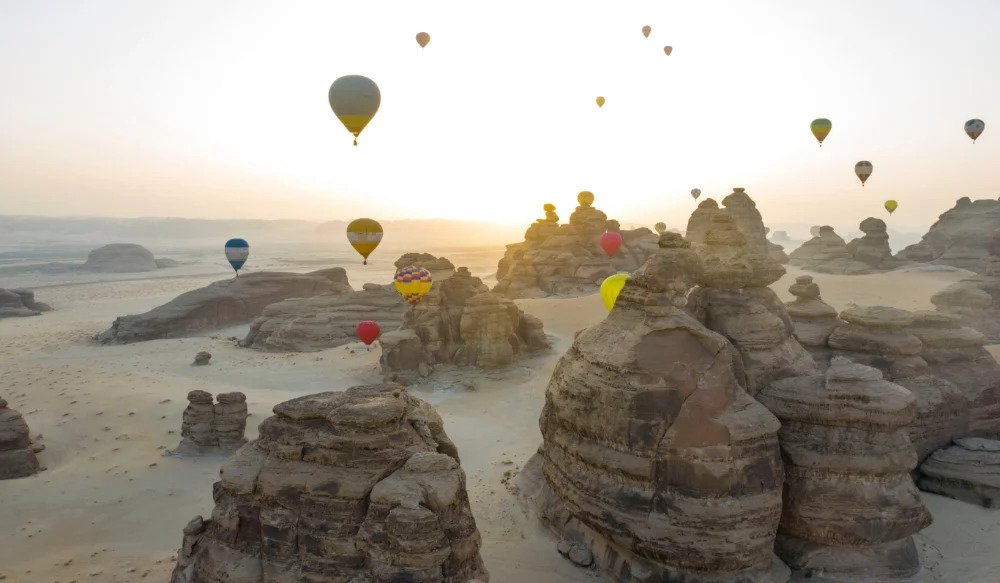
(120, 258)
(968, 470)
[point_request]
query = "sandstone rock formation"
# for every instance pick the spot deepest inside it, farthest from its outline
(968, 470)
(850, 507)
(207, 428)
(460, 322)
(746, 217)
(223, 303)
(733, 299)
(872, 248)
(961, 236)
(439, 267)
(827, 252)
(353, 486)
(120, 258)
(202, 358)
(780, 236)
(976, 301)
(567, 260)
(17, 454)
(655, 457)
(20, 302)
(812, 318)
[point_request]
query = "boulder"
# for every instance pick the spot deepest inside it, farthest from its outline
(202, 358)
(976, 301)
(20, 302)
(120, 258)
(961, 237)
(850, 507)
(223, 303)
(17, 454)
(655, 458)
(968, 470)
(360, 485)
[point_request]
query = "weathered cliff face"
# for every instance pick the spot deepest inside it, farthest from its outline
(976, 301)
(17, 454)
(827, 252)
(850, 507)
(655, 458)
(567, 260)
(223, 303)
(361, 485)
(961, 236)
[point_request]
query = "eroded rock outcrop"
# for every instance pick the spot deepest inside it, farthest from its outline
(223, 303)
(733, 299)
(17, 453)
(850, 508)
(655, 459)
(120, 258)
(208, 428)
(813, 319)
(460, 322)
(361, 485)
(961, 236)
(746, 217)
(440, 267)
(567, 260)
(976, 300)
(968, 470)
(20, 302)
(827, 252)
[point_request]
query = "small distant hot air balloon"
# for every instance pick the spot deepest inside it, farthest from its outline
(695, 193)
(890, 205)
(611, 287)
(367, 331)
(863, 169)
(585, 198)
(423, 38)
(646, 30)
(974, 127)
(413, 283)
(600, 101)
(355, 100)
(237, 251)
(660, 228)
(668, 49)
(364, 235)
(821, 129)
(610, 242)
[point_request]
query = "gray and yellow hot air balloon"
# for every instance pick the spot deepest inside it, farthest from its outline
(660, 228)
(423, 38)
(863, 169)
(355, 100)
(695, 193)
(974, 127)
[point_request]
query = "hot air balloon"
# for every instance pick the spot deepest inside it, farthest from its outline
(646, 30)
(863, 169)
(611, 287)
(237, 251)
(668, 49)
(821, 128)
(974, 127)
(549, 207)
(890, 205)
(585, 198)
(364, 235)
(423, 38)
(660, 228)
(367, 331)
(354, 99)
(600, 101)
(610, 242)
(695, 193)
(412, 283)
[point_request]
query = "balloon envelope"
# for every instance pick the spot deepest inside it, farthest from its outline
(610, 242)
(412, 283)
(974, 127)
(423, 38)
(237, 251)
(646, 30)
(600, 101)
(611, 287)
(355, 100)
(367, 331)
(668, 49)
(821, 128)
(660, 228)
(585, 198)
(364, 235)
(891, 205)
(863, 169)
(695, 193)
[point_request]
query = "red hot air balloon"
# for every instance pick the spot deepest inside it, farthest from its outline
(610, 242)
(367, 331)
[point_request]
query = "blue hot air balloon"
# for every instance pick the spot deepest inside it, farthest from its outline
(237, 251)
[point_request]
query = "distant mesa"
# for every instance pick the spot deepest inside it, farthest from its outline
(120, 258)
(780, 236)
(827, 252)
(961, 237)
(17, 453)
(20, 302)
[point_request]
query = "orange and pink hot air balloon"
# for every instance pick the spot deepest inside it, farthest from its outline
(611, 242)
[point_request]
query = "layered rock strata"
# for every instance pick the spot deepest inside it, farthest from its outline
(208, 427)
(961, 237)
(968, 470)
(17, 454)
(976, 300)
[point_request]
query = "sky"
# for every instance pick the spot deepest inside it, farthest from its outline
(218, 109)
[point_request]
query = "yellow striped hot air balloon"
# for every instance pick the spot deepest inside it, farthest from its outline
(355, 100)
(364, 235)
(412, 283)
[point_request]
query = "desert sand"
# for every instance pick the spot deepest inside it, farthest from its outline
(110, 506)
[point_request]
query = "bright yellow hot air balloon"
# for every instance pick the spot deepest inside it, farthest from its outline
(413, 283)
(600, 101)
(423, 38)
(890, 205)
(355, 100)
(646, 30)
(364, 235)
(585, 198)
(611, 287)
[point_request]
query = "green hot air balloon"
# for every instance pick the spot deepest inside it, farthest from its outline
(821, 128)
(355, 100)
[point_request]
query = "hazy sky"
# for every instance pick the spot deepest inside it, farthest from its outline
(218, 109)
